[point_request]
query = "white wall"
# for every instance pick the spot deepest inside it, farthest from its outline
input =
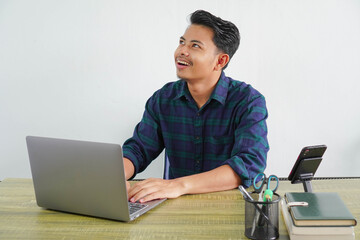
(84, 70)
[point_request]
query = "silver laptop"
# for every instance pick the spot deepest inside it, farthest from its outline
(82, 177)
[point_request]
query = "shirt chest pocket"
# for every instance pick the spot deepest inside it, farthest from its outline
(218, 148)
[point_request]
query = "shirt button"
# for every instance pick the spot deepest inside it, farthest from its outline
(197, 138)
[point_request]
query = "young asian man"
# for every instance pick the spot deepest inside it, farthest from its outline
(213, 128)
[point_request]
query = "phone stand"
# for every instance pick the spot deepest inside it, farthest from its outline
(306, 180)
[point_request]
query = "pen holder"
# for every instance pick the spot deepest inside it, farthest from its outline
(262, 218)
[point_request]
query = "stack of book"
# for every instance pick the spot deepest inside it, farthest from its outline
(325, 217)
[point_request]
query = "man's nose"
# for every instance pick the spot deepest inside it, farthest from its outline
(184, 51)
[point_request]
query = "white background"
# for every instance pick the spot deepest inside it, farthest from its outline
(84, 70)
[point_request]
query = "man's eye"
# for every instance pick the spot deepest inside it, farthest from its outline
(196, 45)
(181, 42)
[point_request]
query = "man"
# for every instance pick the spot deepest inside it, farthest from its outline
(212, 127)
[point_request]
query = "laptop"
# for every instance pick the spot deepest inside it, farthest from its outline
(82, 177)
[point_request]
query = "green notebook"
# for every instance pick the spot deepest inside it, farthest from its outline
(324, 209)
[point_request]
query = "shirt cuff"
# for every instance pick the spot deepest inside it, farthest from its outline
(239, 168)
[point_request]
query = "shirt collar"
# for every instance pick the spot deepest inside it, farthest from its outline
(182, 90)
(219, 94)
(221, 90)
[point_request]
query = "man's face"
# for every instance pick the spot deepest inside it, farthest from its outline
(196, 55)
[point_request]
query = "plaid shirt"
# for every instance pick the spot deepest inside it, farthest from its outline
(229, 129)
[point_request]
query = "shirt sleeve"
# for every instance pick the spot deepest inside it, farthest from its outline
(147, 141)
(248, 156)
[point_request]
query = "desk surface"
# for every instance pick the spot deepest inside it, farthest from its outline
(204, 216)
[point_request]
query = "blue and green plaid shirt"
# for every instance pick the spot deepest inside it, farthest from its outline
(229, 129)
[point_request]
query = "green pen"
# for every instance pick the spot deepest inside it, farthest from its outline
(268, 195)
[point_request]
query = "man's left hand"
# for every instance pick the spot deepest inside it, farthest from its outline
(155, 188)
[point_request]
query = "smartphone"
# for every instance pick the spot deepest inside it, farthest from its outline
(309, 152)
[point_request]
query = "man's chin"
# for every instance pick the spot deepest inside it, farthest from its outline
(182, 76)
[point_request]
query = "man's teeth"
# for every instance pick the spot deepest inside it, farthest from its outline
(183, 63)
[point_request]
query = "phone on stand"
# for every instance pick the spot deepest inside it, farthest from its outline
(306, 165)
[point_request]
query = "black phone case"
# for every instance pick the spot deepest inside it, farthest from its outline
(308, 152)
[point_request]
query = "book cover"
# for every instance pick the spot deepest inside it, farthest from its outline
(324, 209)
(314, 233)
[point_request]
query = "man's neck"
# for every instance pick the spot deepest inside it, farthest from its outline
(201, 90)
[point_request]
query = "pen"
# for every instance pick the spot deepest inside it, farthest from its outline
(265, 210)
(245, 193)
(247, 196)
(268, 194)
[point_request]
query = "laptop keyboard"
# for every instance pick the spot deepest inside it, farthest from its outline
(134, 207)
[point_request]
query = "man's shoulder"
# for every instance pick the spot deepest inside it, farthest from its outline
(175, 85)
(242, 89)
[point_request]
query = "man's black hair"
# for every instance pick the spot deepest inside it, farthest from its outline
(226, 34)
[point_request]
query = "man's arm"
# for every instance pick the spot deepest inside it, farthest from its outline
(147, 140)
(218, 179)
(129, 171)
(129, 168)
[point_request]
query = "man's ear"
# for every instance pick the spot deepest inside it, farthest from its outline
(222, 60)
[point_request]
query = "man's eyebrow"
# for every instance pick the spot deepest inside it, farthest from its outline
(197, 41)
(193, 41)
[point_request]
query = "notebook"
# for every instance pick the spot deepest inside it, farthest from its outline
(324, 209)
(81, 177)
(314, 233)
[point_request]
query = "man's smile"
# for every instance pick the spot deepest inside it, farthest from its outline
(182, 63)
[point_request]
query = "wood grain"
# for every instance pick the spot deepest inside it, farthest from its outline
(204, 216)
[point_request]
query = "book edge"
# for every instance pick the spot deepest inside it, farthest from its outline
(323, 222)
(309, 231)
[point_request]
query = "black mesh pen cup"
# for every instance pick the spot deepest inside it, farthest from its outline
(262, 218)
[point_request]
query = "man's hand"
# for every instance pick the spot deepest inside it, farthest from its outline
(155, 188)
(218, 179)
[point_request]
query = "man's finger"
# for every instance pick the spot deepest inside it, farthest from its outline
(140, 193)
(146, 188)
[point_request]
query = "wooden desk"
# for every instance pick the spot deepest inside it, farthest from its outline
(205, 216)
